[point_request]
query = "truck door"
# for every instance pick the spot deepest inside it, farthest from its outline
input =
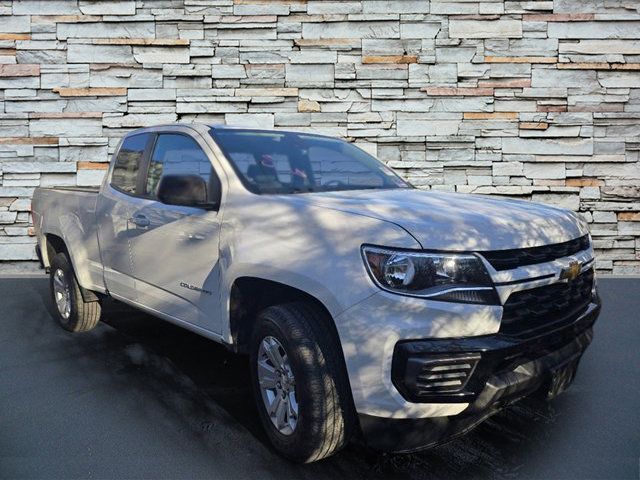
(114, 211)
(174, 248)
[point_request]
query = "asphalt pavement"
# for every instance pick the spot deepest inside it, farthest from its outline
(139, 398)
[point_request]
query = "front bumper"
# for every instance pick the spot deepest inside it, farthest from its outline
(505, 369)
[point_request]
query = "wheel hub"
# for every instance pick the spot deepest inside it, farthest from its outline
(277, 385)
(62, 293)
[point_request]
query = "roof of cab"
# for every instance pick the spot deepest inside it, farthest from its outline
(265, 130)
(195, 125)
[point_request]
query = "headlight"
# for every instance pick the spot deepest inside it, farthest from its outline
(448, 277)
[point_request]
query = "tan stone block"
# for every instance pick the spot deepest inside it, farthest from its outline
(140, 41)
(490, 116)
(534, 125)
(19, 70)
(92, 165)
(516, 83)
(90, 92)
(629, 216)
(520, 59)
(584, 182)
(625, 66)
(457, 91)
(15, 36)
(65, 18)
(29, 141)
(390, 59)
(598, 66)
(308, 106)
(584, 66)
(7, 52)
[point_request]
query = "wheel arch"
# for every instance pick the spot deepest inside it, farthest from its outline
(55, 244)
(249, 295)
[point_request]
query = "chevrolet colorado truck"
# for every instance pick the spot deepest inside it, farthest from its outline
(367, 308)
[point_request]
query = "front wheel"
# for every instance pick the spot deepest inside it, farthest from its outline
(299, 382)
(73, 313)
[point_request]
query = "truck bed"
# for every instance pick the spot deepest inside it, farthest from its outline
(69, 213)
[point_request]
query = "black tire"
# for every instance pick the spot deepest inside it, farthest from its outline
(83, 316)
(326, 416)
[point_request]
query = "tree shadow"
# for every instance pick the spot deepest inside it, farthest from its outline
(495, 449)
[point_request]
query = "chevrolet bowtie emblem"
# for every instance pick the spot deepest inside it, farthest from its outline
(571, 271)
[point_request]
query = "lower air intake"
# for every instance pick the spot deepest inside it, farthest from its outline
(442, 375)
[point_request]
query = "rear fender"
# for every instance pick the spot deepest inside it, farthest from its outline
(74, 238)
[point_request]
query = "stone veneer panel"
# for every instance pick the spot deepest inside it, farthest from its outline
(532, 100)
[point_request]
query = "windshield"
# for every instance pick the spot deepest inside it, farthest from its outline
(286, 162)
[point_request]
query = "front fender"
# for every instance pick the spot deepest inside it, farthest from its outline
(310, 248)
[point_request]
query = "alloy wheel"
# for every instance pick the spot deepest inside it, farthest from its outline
(277, 385)
(62, 293)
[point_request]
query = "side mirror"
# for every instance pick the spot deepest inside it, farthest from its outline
(185, 190)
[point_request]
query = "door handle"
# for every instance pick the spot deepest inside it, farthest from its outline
(140, 221)
(191, 236)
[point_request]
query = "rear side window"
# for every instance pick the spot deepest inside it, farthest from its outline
(176, 154)
(125, 170)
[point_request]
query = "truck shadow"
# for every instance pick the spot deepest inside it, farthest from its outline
(217, 372)
(495, 449)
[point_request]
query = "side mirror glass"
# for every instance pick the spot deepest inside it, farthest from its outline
(185, 190)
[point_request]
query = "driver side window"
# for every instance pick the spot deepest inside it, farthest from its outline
(176, 154)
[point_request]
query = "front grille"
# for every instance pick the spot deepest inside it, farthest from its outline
(528, 310)
(444, 375)
(508, 259)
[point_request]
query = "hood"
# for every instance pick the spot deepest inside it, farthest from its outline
(458, 222)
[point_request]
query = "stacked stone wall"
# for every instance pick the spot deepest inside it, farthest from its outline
(532, 99)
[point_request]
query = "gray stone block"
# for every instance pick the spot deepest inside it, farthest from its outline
(547, 146)
(78, 53)
(594, 30)
(106, 30)
(351, 30)
(505, 28)
(546, 77)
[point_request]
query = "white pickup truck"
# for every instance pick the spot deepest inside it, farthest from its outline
(368, 308)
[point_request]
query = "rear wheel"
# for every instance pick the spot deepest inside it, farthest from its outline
(299, 382)
(73, 313)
